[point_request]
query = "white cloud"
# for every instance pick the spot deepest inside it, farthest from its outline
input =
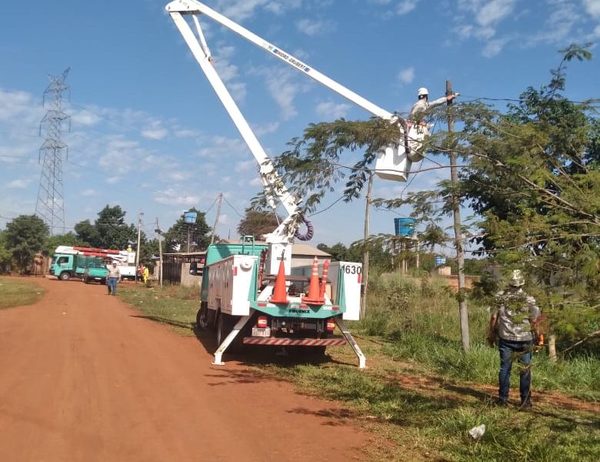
(173, 196)
(89, 192)
(155, 133)
(238, 10)
(283, 89)
(406, 76)
(85, 117)
(592, 7)
(331, 110)
(18, 184)
(493, 47)
(312, 27)
(406, 6)
(221, 147)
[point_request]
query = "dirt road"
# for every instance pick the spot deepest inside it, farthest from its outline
(82, 378)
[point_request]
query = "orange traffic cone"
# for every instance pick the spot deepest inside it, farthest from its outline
(314, 292)
(324, 279)
(279, 291)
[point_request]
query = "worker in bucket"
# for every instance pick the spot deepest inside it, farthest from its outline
(423, 103)
(514, 327)
(114, 274)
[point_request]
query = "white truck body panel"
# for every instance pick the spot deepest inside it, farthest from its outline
(229, 282)
(351, 274)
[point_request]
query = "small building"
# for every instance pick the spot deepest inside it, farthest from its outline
(178, 267)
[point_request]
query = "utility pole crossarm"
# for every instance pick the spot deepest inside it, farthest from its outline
(195, 7)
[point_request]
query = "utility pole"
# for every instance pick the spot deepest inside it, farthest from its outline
(365, 275)
(458, 237)
(160, 256)
(219, 202)
(137, 254)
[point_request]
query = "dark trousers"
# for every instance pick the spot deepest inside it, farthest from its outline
(509, 351)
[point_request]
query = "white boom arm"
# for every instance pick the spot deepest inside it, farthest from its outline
(393, 162)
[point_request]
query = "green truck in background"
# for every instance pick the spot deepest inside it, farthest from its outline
(87, 268)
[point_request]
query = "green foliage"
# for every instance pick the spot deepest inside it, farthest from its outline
(109, 230)
(62, 239)
(176, 237)
(257, 223)
(24, 237)
(5, 255)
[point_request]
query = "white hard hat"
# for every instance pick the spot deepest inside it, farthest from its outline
(422, 92)
(517, 279)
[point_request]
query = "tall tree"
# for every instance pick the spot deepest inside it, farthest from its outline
(534, 179)
(25, 236)
(109, 230)
(257, 223)
(176, 237)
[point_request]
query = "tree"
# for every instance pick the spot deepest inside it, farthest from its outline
(5, 256)
(25, 236)
(176, 237)
(109, 230)
(257, 223)
(534, 179)
(61, 239)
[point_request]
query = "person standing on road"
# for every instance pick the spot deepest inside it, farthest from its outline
(514, 325)
(113, 278)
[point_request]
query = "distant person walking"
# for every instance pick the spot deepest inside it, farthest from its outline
(114, 274)
(145, 275)
(514, 325)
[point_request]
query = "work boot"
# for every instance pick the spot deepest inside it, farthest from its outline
(501, 402)
(526, 404)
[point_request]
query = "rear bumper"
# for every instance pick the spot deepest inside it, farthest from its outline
(336, 341)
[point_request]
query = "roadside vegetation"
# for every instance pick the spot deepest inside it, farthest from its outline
(420, 390)
(18, 293)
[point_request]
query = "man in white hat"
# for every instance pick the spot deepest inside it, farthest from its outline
(514, 323)
(423, 103)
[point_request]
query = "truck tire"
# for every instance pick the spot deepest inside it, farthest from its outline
(202, 317)
(65, 276)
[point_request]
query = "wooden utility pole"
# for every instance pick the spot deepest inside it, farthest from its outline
(160, 256)
(137, 253)
(458, 237)
(219, 202)
(365, 275)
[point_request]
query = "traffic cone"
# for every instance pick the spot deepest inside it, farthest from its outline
(279, 291)
(314, 292)
(324, 279)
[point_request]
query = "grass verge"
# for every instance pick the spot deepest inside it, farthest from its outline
(18, 292)
(421, 395)
(172, 305)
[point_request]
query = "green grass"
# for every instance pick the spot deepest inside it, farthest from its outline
(172, 305)
(428, 416)
(420, 391)
(18, 293)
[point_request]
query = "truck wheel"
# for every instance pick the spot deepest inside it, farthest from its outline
(202, 317)
(65, 276)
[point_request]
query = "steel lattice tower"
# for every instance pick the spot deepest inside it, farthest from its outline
(50, 205)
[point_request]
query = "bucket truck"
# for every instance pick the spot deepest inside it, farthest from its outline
(252, 293)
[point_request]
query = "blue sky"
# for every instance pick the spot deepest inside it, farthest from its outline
(149, 134)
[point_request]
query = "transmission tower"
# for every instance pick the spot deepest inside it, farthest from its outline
(50, 205)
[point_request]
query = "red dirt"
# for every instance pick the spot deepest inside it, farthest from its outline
(84, 378)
